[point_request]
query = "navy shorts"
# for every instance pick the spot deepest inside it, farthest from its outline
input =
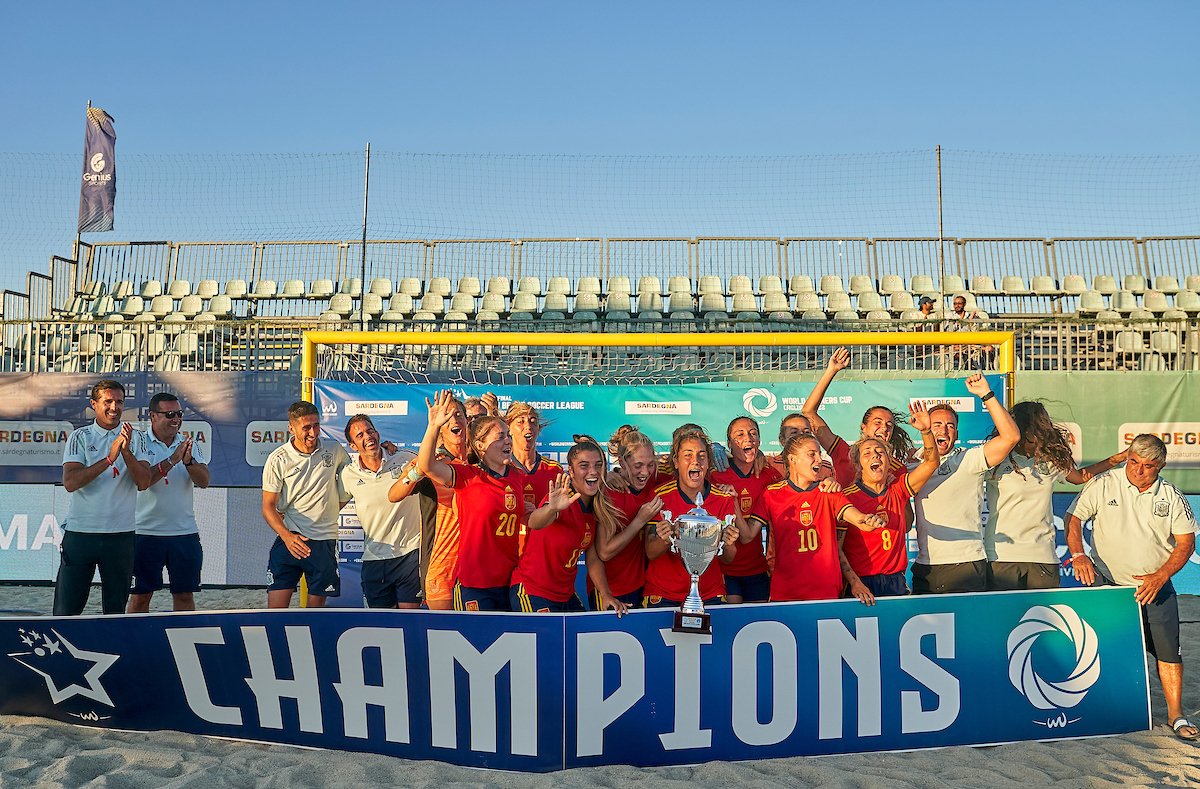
(751, 588)
(386, 582)
(182, 555)
(632, 599)
(520, 600)
(319, 568)
(886, 584)
(1160, 622)
(470, 598)
(654, 601)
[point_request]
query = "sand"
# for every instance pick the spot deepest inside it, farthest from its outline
(43, 753)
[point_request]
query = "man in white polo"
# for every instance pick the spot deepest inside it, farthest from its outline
(1143, 532)
(300, 504)
(391, 514)
(949, 509)
(102, 470)
(167, 535)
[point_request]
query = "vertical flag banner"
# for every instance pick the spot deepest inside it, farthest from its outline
(99, 189)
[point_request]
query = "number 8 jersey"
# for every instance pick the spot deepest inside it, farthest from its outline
(803, 548)
(490, 511)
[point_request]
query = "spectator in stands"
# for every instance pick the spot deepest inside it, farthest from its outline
(966, 357)
(102, 470)
(391, 514)
(925, 305)
(167, 534)
(302, 476)
(949, 509)
(1143, 532)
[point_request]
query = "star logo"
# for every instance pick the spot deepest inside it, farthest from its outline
(39, 661)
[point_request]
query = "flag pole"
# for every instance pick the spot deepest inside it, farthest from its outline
(362, 296)
(78, 235)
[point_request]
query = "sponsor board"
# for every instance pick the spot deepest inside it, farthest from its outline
(1182, 439)
(369, 407)
(961, 405)
(1075, 439)
(263, 438)
(33, 443)
(671, 408)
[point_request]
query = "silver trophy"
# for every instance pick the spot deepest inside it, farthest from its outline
(698, 543)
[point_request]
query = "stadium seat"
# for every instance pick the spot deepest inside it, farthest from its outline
(439, 286)
(236, 289)
(341, 304)
(710, 283)
(891, 283)
(559, 285)
(814, 315)
(745, 302)
(739, 283)
(1174, 314)
(1164, 342)
(121, 290)
(1187, 300)
(649, 301)
(492, 302)
(1192, 283)
(619, 285)
(712, 302)
(1014, 286)
(93, 290)
(1090, 302)
(1134, 283)
(831, 283)
(123, 343)
(156, 345)
(808, 301)
(1140, 315)
(587, 302)
(205, 323)
(381, 287)
(1167, 284)
(103, 306)
(321, 289)
(530, 285)
(839, 302)
(191, 305)
(462, 302)
(846, 316)
(410, 286)
(76, 308)
(1073, 284)
(174, 323)
(1105, 284)
(145, 317)
(292, 289)
(402, 304)
(618, 302)
(263, 289)
(912, 315)
(679, 285)
(769, 283)
(186, 344)
(161, 305)
(1123, 301)
(952, 283)
(984, 286)
(870, 301)
(1155, 301)
(523, 301)
(207, 288)
(500, 285)
(680, 302)
(132, 305)
(1042, 285)
(180, 288)
(921, 283)
(588, 285)
(555, 302)
(471, 286)
(150, 289)
(1129, 342)
(878, 316)
(433, 303)
(220, 305)
(801, 283)
(860, 283)
(486, 316)
(351, 286)
(649, 285)
(372, 304)
(775, 301)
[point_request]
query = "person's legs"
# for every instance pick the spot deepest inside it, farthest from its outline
(183, 601)
(139, 603)
(1171, 677)
(279, 598)
(116, 571)
(77, 565)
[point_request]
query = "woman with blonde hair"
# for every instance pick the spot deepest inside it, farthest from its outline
(620, 544)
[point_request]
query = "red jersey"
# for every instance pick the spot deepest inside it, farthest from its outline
(750, 559)
(883, 550)
(537, 486)
(551, 559)
(666, 576)
(803, 548)
(844, 470)
(627, 570)
(489, 514)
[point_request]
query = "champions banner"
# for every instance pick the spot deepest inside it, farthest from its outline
(552, 691)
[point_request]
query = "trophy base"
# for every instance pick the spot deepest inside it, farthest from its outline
(700, 624)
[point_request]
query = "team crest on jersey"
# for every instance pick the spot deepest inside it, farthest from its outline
(510, 500)
(745, 502)
(882, 514)
(529, 496)
(327, 460)
(806, 517)
(1162, 509)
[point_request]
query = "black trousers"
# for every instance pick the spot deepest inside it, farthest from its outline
(80, 554)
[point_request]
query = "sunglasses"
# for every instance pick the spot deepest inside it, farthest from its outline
(171, 414)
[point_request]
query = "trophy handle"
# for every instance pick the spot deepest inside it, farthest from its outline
(666, 515)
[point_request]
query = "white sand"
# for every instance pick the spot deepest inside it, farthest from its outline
(43, 753)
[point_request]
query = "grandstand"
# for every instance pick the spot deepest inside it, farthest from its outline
(1074, 303)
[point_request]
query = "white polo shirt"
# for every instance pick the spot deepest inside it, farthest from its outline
(107, 504)
(1133, 532)
(392, 529)
(307, 487)
(949, 510)
(1020, 526)
(165, 509)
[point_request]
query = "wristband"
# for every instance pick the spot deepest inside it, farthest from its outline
(1075, 556)
(414, 475)
(987, 397)
(108, 460)
(189, 465)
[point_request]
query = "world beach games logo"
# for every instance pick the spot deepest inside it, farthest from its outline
(1040, 692)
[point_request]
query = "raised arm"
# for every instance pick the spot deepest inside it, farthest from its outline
(441, 411)
(918, 417)
(1007, 432)
(839, 361)
(1081, 476)
(559, 499)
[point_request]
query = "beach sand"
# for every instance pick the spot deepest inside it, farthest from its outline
(42, 753)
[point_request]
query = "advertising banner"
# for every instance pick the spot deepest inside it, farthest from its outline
(98, 190)
(551, 691)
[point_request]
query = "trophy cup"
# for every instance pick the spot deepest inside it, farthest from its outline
(698, 543)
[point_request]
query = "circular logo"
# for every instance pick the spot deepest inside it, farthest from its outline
(753, 410)
(1042, 693)
(98, 162)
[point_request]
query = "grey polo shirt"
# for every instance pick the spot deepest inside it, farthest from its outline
(949, 510)
(392, 529)
(307, 487)
(165, 509)
(1020, 526)
(107, 504)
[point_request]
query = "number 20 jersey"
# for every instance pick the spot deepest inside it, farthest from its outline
(490, 509)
